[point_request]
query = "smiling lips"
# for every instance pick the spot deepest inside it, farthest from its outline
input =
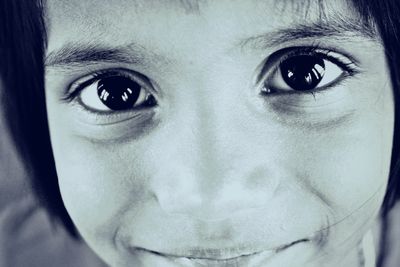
(217, 257)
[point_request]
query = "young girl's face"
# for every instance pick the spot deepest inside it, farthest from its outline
(191, 133)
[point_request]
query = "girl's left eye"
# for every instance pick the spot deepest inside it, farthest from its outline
(309, 72)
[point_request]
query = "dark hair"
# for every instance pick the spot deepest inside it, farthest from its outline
(22, 46)
(385, 14)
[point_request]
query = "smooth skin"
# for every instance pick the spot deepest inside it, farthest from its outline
(217, 169)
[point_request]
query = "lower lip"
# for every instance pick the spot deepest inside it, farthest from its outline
(251, 260)
(246, 260)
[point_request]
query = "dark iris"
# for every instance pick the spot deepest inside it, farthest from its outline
(117, 92)
(303, 72)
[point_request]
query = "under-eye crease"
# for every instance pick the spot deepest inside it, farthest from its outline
(141, 91)
(321, 56)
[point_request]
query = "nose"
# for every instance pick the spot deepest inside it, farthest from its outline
(213, 196)
(211, 167)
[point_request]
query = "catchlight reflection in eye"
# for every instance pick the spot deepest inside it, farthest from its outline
(305, 73)
(115, 93)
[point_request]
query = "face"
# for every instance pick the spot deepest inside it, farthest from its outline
(255, 133)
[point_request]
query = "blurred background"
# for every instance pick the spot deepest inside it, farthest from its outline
(28, 238)
(12, 175)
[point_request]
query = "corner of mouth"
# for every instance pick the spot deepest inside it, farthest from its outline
(281, 248)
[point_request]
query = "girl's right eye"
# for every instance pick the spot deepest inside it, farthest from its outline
(114, 91)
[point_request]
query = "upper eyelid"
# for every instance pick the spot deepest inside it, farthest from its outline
(278, 56)
(74, 88)
(271, 60)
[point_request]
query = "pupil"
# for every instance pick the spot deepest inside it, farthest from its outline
(118, 93)
(304, 72)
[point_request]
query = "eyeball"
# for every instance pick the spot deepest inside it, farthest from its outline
(303, 73)
(115, 93)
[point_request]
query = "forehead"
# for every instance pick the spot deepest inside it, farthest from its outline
(176, 30)
(100, 17)
(100, 10)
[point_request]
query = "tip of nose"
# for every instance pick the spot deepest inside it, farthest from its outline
(215, 200)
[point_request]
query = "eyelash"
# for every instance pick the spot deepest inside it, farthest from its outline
(270, 67)
(274, 61)
(78, 86)
(73, 91)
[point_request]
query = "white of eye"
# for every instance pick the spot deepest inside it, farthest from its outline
(332, 73)
(89, 97)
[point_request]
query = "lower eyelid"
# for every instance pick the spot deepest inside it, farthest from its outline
(325, 94)
(126, 131)
(323, 102)
(93, 117)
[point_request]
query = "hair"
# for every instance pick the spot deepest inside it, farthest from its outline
(385, 16)
(22, 47)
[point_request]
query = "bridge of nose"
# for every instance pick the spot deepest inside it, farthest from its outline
(204, 177)
(211, 164)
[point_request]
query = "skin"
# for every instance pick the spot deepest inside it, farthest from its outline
(217, 170)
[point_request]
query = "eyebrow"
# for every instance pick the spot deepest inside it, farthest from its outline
(334, 27)
(76, 53)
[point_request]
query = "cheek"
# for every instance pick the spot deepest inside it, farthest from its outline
(334, 172)
(98, 184)
(347, 167)
(358, 159)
